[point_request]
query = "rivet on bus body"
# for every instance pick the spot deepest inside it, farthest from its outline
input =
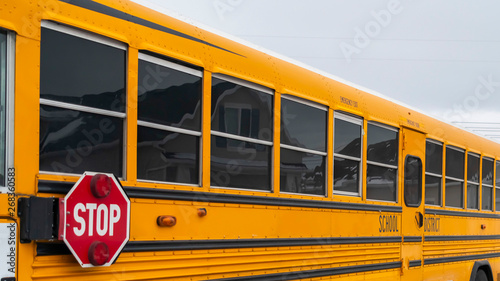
(202, 212)
(166, 221)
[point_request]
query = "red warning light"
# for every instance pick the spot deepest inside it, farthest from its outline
(98, 253)
(100, 185)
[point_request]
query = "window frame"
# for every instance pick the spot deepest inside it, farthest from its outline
(383, 165)
(270, 144)
(492, 186)
(446, 177)
(357, 121)
(306, 150)
(100, 39)
(440, 176)
(165, 128)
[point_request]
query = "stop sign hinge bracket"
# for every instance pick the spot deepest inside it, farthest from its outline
(39, 218)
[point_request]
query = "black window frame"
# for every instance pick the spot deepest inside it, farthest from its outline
(156, 125)
(356, 121)
(85, 109)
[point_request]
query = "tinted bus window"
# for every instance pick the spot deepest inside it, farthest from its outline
(487, 184)
(497, 186)
(80, 71)
(347, 150)
(82, 96)
(303, 147)
(382, 163)
(433, 173)
(242, 133)
(455, 163)
(472, 181)
(169, 119)
(413, 181)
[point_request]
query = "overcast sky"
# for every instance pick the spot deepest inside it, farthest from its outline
(442, 57)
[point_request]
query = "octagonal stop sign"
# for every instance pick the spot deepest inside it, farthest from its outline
(95, 219)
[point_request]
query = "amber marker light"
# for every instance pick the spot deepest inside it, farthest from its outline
(202, 212)
(166, 221)
(100, 185)
(98, 253)
(483, 226)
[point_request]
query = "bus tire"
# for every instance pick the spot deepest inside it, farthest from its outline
(481, 276)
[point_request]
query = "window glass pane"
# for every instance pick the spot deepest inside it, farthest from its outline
(413, 182)
(497, 199)
(472, 196)
(244, 165)
(434, 158)
(345, 175)
(80, 71)
(75, 142)
(472, 168)
(433, 190)
(347, 138)
(382, 145)
(487, 171)
(3, 105)
(497, 173)
(455, 161)
(381, 183)
(167, 156)
(241, 111)
(168, 96)
(454, 194)
(303, 125)
(487, 203)
(302, 172)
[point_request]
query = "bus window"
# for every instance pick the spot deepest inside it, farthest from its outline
(487, 184)
(169, 119)
(433, 173)
(472, 181)
(382, 163)
(303, 147)
(497, 186)
(455, 163)
(347, 153)
(82, 97)
(413, 181)
(242, 134)
(3, 106)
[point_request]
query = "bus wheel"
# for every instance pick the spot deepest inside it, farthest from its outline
(481, 276)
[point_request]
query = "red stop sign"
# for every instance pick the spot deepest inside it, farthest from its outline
(96, 220)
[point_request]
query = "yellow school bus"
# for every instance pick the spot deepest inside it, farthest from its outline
(238, 165)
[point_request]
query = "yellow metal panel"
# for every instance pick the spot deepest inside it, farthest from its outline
(206, 125)
(131, 121)
(276, 164)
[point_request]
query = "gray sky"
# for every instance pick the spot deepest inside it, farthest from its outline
(441, 57)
